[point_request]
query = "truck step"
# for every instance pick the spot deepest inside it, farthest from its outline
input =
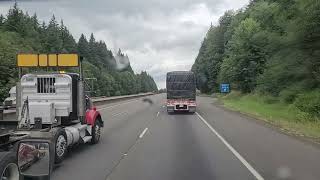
(81, 127)
(86, 139)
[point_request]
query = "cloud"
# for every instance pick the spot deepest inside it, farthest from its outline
(158, 35)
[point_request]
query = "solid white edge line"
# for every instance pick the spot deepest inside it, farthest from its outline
(143, 132)
(241, 159)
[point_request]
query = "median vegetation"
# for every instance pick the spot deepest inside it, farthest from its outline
(24, 33)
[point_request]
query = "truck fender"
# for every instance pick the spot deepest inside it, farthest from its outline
(92, 115)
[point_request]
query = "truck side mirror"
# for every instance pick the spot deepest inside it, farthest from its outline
(34, 157)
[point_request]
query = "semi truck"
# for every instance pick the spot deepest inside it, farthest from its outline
(52, 109)
(181, 91)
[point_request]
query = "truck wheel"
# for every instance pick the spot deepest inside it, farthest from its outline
(61, 145)
(96, 132)
(8, 166)
(192, 111)
(170, 111)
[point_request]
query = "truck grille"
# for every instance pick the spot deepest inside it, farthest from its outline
(46, 85)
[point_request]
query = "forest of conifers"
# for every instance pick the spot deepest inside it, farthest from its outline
(22, 33)
(270, 47)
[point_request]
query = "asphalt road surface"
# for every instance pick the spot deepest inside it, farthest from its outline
(142, 141)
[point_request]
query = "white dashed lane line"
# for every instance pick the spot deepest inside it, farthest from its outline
(143, 133)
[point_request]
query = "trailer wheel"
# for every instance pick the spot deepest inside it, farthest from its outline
(96, 132)
(8, 166)
(170, 111)
(61, 145)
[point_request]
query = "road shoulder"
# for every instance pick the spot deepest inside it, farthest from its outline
(263, 146)
(289, 132)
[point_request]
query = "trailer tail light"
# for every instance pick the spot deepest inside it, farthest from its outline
(191, 103)
(45, 85)
(170, 102)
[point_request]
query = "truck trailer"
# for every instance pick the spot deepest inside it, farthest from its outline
(181, 91)
(51, 105)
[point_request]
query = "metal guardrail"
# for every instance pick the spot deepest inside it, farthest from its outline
(96, 101)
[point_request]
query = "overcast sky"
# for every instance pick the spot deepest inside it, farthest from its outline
(158, 35)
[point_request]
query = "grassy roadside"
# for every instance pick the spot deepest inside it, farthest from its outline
(282, 115)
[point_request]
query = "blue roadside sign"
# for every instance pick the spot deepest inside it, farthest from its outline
(225, 88)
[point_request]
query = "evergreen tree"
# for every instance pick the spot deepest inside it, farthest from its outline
(269, 47)
(83, 47)
(21, 33)
(14, 20)
(53, 43)
(68, 42)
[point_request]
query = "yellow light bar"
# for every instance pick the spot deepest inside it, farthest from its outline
(52, 60)
(43, 60)
(68, 60)
(27, 60)
(47, 60)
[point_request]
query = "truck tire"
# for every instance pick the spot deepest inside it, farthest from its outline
(170, 111)
(96, 132)
(8, 166)
(192, 111)
(60, 146)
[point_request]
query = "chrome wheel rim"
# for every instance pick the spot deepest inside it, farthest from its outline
(97, 131)
(61, 146)
(10, 172)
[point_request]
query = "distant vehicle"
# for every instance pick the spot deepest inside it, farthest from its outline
(181, 91)
(162, 91)
(10, 102)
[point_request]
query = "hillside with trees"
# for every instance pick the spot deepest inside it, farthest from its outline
(22, 33)
(268, 48)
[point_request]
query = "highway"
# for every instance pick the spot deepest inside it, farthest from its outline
(142, 141)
